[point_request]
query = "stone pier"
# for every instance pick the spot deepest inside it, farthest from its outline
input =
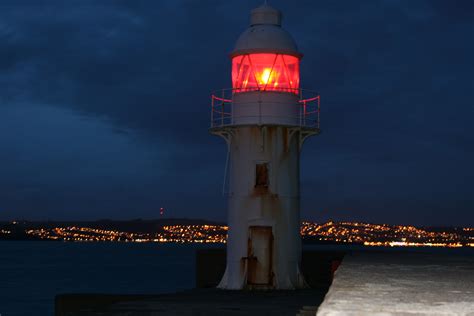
(402, 283)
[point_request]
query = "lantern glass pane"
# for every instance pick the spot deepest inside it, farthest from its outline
(265, 72)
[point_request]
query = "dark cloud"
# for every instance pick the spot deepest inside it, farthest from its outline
(397, 95)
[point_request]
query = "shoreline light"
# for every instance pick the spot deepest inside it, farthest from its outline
(369, 235)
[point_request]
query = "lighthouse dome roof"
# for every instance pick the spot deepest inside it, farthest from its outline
(265, 34)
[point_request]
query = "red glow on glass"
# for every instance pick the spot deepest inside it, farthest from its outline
(265, 72)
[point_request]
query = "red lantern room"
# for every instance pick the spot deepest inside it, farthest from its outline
(265, 79)
(265, 72)
(265, 57)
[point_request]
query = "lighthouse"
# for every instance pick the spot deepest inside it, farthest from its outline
(264, 118)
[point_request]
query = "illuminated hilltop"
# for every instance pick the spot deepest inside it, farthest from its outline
(171, 231)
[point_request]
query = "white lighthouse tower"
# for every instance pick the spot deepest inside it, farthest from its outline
(264, 119)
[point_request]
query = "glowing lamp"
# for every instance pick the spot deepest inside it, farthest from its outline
(265, 72)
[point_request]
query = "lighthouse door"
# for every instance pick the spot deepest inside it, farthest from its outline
(259, 269)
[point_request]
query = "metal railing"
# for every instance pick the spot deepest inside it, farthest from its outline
(309, 109)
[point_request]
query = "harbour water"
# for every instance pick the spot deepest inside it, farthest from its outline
(32, 273)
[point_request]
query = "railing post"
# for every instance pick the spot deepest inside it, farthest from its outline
(319, 101)
(304, 111)
(222, 112)
(232, 107)
(212, 111)
(301, 111)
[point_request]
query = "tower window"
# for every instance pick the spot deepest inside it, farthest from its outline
(261, 175)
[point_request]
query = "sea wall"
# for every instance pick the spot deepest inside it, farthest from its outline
(318, 267)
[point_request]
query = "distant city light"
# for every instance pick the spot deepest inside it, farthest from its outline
(371, 235)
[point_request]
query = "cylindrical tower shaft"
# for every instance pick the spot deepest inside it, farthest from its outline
(264, 247)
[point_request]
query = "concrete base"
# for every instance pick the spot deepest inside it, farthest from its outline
(209, 302)
(401, 284)
(317, 266)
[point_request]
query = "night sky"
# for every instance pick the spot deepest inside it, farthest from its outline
(104, 108)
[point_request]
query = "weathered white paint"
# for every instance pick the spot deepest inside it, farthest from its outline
(265, 34)
(266, 108)
(278, 206)
(265, 14)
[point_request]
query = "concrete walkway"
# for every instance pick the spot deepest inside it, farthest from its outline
(401, 284)
(202, 302)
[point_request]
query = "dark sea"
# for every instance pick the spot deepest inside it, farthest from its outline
(33, 272)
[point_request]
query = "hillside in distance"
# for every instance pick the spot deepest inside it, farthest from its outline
(169, 230)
